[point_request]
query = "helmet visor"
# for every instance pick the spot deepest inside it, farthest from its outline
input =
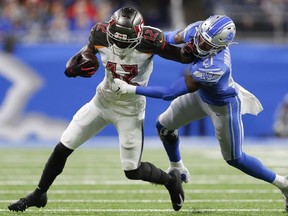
(121, 40)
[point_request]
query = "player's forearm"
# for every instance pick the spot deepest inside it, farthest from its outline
(88, 50)
(166, 93)
(176, 54)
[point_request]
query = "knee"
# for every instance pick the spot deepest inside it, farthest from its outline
(132, 174)
(167, 136)
(129, 165)
(61, 150)
(237, 162)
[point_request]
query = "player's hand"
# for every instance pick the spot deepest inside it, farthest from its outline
(188, 49)
(122, 87)
(84, 69)
(185, 175)
(84, 66)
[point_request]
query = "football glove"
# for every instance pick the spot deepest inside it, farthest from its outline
(122, 87)
(188, 49)
(83, 66)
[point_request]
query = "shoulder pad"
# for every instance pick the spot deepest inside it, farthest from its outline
(98, 34)
(100, 26)
(153, 39)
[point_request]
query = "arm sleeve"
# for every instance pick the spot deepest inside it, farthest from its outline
(190, 31)
(177, 88)
(170, 36)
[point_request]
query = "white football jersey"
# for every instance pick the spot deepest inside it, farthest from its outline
(134, 68)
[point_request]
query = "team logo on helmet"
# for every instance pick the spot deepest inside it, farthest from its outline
(229, 37)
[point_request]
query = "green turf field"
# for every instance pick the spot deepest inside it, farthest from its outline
(93, 184)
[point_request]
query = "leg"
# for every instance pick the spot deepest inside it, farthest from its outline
(170, 140)
(86, 122)
(130, 130)
(229, 131)
(53, 168)
(172, 181)
(182, 111)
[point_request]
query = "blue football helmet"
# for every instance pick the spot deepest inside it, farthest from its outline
(213, 35)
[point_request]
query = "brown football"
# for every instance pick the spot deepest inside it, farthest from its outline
(90, 63)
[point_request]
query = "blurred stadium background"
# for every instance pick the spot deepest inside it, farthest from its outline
(37, 37)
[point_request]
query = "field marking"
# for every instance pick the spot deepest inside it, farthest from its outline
(160, 201)
(154, 210)
(198, 191)
(125, 182)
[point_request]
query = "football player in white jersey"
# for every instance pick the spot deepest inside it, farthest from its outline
(208, 90)
(126, 48)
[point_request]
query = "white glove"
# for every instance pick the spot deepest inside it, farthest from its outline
(122, 87)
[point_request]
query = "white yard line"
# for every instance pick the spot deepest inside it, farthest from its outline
(198, 191)
(159, 201)
(155, 210)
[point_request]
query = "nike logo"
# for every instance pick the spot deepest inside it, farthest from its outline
(118, 89)
(181, 201)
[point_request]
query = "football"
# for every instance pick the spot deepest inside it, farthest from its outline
(91, 62)
(82, 65)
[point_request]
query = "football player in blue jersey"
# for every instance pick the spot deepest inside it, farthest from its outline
(208, 90)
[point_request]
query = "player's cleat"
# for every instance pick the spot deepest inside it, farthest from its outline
(185, 175)
(285, 195)
(174, 186)
(30, 200)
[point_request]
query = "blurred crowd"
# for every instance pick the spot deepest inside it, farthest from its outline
(280, 125)
(65, 20)
(71, 20)
(257, 18)
(33, 20)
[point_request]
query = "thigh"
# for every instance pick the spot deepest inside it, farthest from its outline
(182, 111)
(228, 126)
(87, 122)
(130, 130)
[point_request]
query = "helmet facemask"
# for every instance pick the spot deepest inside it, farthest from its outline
(120, 45)
(204, 48)
(213, 35)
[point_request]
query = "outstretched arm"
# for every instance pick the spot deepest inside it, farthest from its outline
(185, 54)
(180, 87)
(175, 53)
